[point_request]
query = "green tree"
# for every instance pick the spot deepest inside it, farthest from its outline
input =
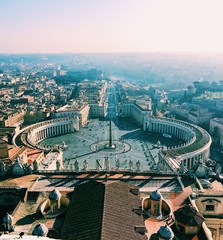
(33, 117)
(216, 133)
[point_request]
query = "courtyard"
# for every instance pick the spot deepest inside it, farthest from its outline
(133, 149)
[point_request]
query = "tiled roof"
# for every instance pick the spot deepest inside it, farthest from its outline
(84, 215)
(13, 153)
(32, 151)
(189, 215)
(102, 211)
(119, 220)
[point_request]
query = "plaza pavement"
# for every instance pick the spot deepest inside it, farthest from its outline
(142, 149)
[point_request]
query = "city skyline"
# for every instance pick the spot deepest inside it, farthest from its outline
(107, 26)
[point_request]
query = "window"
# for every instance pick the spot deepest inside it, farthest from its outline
(209, 208)
(54, 207)
(156, 209)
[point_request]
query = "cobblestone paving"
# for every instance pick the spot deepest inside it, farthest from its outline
(141, 145)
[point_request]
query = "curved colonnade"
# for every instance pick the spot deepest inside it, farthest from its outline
(185, 156)
(35, 133)
(176, 159)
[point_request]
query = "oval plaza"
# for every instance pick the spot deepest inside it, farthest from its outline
(179, 148)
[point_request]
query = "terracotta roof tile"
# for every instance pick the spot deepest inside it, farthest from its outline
(102, 211)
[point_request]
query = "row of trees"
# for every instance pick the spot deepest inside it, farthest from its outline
(33, 117)
(78, 76)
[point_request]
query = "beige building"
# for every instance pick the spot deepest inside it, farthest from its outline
(93, 92)
(137, 110)
(73, 109)
(210, 204)
(193, 114)
(14, 119)
(6, 91)
(201, 116)
(97, 110)
(8, 153)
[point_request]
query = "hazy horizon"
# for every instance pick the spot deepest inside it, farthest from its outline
(107, 52)
(103, 26)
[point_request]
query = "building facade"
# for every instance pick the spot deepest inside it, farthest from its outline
(13, 119)
(134, 110)
(80, 109)
(216, 130)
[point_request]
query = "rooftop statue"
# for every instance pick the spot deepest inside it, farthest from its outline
(130, 165)
(117, 164)
(76, 166)
(138, 165)
(85, 165)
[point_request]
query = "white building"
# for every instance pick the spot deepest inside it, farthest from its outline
(135, 110)
(73, 109)
(201, 116)
(97, 110)
(192, 113)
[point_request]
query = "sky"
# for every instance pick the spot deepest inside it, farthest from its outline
(61, 26)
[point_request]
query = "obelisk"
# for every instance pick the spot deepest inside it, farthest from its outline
(110, 135)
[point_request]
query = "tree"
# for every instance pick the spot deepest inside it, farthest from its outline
(33, 117)
(216, 132)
